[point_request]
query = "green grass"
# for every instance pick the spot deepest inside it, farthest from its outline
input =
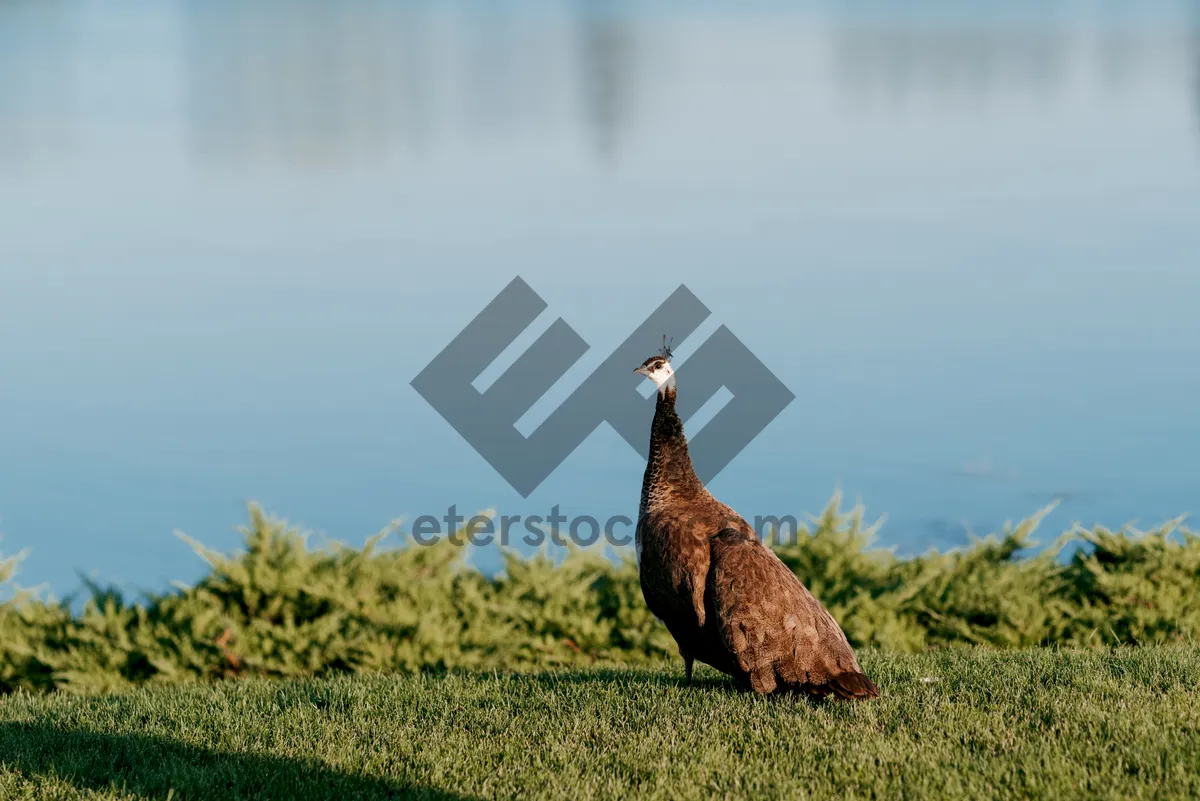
(951, 724)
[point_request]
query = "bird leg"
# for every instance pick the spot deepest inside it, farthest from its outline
(687, 668)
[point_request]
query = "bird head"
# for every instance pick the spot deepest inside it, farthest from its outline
(658, 367)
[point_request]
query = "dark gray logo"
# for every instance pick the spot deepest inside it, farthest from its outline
(487, 419)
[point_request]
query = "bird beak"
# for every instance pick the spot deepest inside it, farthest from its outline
(642, 371)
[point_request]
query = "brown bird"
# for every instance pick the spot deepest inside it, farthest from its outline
(726, 598)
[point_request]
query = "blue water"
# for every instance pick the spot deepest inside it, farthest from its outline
(967, 239)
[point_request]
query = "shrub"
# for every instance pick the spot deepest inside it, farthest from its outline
(283, 608)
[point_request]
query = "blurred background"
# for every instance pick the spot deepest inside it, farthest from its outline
(967, 236)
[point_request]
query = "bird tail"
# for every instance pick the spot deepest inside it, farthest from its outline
(853, 686)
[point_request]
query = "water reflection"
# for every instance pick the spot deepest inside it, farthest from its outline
(609, 63)
(911, 58)
(310, 85)
(1195, 38)
(307, 84)
(35, 85)
(333, 84)
(315, 84)
(896, 60)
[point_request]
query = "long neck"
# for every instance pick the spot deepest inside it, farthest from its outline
(669, 469)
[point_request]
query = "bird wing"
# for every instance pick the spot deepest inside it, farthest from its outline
(773, 627)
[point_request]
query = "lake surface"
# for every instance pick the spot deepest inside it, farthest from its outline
(966, 238)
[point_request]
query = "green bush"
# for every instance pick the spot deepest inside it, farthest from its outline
(282, 608)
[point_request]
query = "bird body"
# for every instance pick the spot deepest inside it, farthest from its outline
(726, 598)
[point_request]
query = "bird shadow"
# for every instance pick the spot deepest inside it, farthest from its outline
(158, 767)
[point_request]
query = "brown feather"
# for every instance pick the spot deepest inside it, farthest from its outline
(725, 597)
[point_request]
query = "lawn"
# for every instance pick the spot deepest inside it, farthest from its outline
(950, 724)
